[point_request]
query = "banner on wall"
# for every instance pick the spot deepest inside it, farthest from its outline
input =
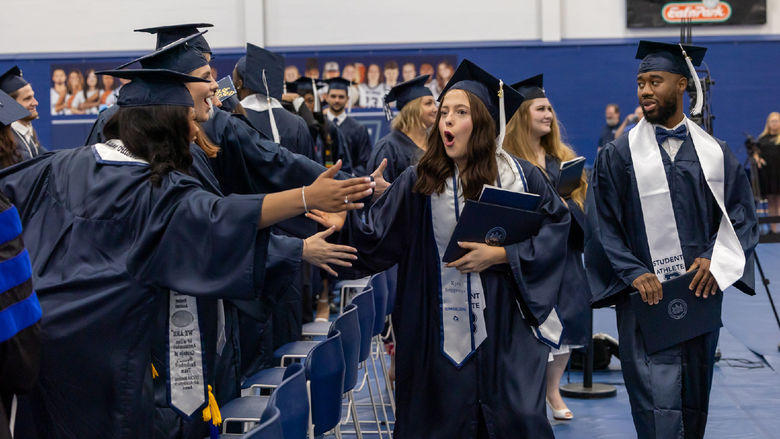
(664, 13)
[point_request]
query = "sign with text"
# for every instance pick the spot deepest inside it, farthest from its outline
(663, 13)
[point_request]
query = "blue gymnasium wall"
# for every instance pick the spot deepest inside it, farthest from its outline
(580, 78)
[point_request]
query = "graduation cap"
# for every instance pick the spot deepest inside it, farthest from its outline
(408, 91)
(262, 71)
(169, 34)
(673, 58)
(338, 83)
(12, 80)
(500, 99)
(153, 87)
(180, 56)
(304, 85)
(531, 88)
(10, 110)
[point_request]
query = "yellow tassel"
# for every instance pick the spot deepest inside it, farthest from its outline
(211, 412)
(154, 372)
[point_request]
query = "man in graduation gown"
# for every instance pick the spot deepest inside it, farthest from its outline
(259, 80)
(14, 84)
(358, 140)
(667, 198)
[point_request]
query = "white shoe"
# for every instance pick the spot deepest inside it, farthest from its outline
(561, 415)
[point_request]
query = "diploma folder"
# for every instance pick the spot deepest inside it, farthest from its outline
(678, 317)
(493, 225)
(507, 198)
(571, 173)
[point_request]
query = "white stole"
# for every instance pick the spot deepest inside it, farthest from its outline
(461, 296)
(728, 258)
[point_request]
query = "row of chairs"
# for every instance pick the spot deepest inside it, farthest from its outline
(329, 373)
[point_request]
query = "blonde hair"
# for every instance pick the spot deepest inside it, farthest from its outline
(518, 143)
(766, 127)
(409, 119)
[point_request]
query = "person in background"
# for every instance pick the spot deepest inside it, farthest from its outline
(87, 99)
(408, 137)
(58, 92)
(356, 134)
(350, 73)
(427, 69)
(767, 157)
(610, 131)
(312, 68)
(629, 122)
(390, 75)
(107, 97)
(75, 87)
(10, 112)
(372, 91)
(533, 134)
(291, 73)
(12, 83)
(444, 71)
(408, 71)
(331, 70)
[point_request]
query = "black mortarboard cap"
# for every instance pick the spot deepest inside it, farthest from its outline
(303, 85)
(408, 91)
(12, 80)
(470, 77)
(257, 61)
(338, 83)
(667, 57)
(10, 110)
(179, 55)
(153, 87)
(169, 34)
(531, 88)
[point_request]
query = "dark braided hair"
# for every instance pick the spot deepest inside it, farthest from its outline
(159, 134)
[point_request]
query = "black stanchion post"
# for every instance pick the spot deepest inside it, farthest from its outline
(587, 389)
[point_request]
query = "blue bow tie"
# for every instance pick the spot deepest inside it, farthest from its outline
(680, 132)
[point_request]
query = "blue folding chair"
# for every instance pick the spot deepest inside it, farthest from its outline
(270, 426)
(289, 397)
(379, 284)
(300, 349)
(325, 374)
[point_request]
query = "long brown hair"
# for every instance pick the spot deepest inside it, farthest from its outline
(158, 134)
(518, 142)
(435, 167)
(9, 155)
(202, 140)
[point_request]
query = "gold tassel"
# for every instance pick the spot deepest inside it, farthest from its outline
(154, 372)
(211, 412)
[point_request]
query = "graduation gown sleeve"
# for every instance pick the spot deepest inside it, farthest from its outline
(225, 253)
(536, 263)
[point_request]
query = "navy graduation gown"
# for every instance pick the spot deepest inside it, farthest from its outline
(96, 133)
(359, 145)
(293, 132)
(574, 296)
(106, 248)
(668, 390)
(332, 149)
(504, 380)
(27, 150)
(400, 152)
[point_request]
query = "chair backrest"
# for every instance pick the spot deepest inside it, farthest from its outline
(270, 426)
(349, 327)
(379, 283)
(365, 306)
(392, 283)
(293, 403)
(325, 371)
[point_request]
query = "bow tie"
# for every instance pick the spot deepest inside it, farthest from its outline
(680, 132)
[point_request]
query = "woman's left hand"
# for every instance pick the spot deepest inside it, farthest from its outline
(479, 258)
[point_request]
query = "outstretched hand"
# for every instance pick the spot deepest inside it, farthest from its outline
(479, 258)
(319, 252)
(379, 179)
(329, 194)
(327, 219)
